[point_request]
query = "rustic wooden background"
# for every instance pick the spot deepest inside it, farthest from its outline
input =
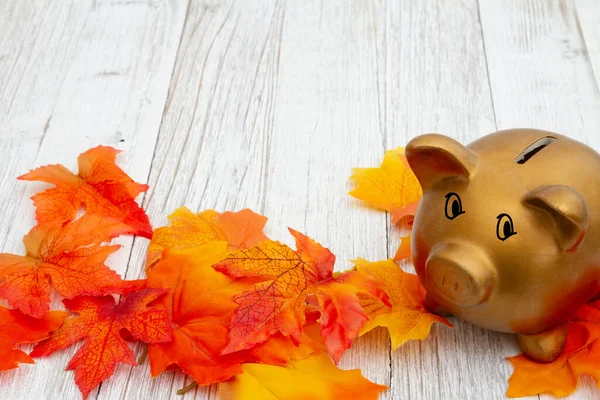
(268, 105)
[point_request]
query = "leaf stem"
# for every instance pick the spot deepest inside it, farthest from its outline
(186, 389)
(142, 358)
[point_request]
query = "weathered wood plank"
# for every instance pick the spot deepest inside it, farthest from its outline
(327, 120)
(74, 75)
(435, 80)
(214, 140)
(539, 68)
(271, 105)
(587, 22)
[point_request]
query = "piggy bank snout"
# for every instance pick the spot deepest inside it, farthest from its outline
(461, 274)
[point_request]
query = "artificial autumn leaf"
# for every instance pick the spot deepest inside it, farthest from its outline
(241, 230)
(407, 319)
(403, 251)
(200, 305)
(560, 377)
(342, 316)
(101, 187)
(392, 186)
(70, 259)
(279, 349)
(100, 321)
(278, 303)
(17, 328)
(312, 378)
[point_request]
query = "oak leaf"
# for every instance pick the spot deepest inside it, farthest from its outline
(101, 187)
(69, 258)
(200, 305)
(100, 322)
(581, 356)
(312, 378)
(407, 319)
(241, 230)
(17, 328)
(392, 186)
(290, 280)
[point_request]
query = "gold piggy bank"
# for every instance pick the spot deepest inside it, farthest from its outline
(507, 235)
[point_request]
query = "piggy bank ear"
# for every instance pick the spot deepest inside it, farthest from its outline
(433, 157)
(567, 209)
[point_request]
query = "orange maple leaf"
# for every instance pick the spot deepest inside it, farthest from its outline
(407, 319)
(403, 251)
(392, 186)
(18, 328)
(101, 187)
(312, 378)
(581, 356)
(200, 304)
(289, 280)
(241, 230)
(100, 321)
(70, 258)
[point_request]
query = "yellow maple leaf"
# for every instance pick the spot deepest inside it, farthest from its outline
(392, 186)
(241, 230)
(314, 377)
(407, 319)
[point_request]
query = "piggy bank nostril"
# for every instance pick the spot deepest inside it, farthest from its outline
(454, 283)
(462, 283)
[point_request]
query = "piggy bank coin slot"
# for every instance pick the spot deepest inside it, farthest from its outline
(533, 149)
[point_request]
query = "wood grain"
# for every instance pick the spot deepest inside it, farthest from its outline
(435, 80)
(261, 107)
(586, 17)
(539, 68)
(73, 75)
(269, 104)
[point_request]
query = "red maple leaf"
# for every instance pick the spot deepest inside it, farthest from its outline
(290, 281)
(70, 258)
(200, 305)
(101, 187)
(18, 328)
(100, 321)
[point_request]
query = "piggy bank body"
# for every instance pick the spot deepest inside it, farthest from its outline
(507, 235)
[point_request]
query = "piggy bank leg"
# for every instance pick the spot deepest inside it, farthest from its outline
(545, 346)
(434, 307)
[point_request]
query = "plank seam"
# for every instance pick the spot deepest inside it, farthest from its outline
(135, 238)
(487, 67)
(144, 197)
(586, 52)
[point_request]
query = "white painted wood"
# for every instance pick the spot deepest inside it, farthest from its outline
(434, 79)
(214, 139)
(541, 75)
(270, 104)
(326, 121)
(539, 68)
(73, 75)
(261, 108)
(587, 22)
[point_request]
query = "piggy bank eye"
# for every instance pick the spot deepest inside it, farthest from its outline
(453, 206)
(505, 227)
